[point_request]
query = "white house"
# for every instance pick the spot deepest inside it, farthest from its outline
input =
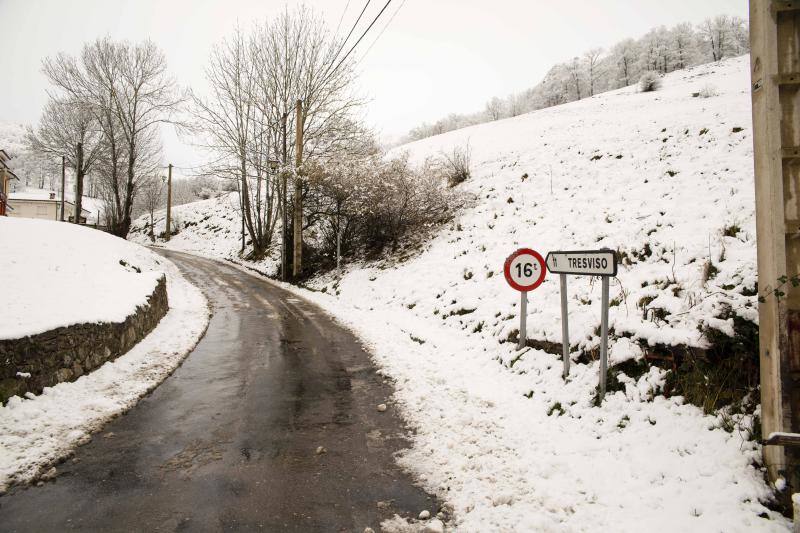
(39, 203)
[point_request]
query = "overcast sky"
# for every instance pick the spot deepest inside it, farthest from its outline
(436, 56)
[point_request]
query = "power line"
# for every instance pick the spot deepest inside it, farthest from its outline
(339, 51)
(381, 33)
(358, 41)
(342, 17)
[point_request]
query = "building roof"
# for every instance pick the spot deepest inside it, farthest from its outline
(41, 195)
(33, 194)
(10, 172)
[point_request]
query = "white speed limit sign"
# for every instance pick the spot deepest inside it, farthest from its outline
(525, 269)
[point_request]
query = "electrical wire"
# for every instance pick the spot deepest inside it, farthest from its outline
(381, 33)
(341, 47)
(358, 41)
(341, 18)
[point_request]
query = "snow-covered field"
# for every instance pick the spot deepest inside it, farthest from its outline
(666, 179)
(58, 274)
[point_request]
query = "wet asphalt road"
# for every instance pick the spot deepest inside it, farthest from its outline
(228, 442)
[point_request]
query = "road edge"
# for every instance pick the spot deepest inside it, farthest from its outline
(38, 432)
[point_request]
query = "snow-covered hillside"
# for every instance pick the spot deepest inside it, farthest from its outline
(666, 179)
(208, 227)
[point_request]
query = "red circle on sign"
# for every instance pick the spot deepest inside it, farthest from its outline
(536, 256)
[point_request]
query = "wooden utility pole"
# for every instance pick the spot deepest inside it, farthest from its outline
(168, 229)
(63, 183)
(775, 87)
(284, 214)
(297, 265)
(3, 190)
(78, 184)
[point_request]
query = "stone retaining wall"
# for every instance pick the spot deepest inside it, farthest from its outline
(66, 353)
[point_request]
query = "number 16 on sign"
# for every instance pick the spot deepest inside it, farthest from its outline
(524, 271)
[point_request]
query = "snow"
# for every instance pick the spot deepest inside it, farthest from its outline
(57, 274)
(664, 178)
(211, 228)
(38, 431)
(776, 434)
(34, 194)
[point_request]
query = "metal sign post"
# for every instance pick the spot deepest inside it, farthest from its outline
(524, 271)
(601, 263)
(604, 339)
(564, 325)
(523, 320)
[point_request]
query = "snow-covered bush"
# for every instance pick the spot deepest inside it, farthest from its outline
(457, 164)
(708, 91)
(650, 81)
(373, 203)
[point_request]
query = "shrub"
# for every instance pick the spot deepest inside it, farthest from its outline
(376, 202)
(708, 91)
(650, 81)
(457, 165)
(732, 230)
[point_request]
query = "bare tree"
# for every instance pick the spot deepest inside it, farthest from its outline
(152, 198)
(725, 36)
(494, 108)
(575, 75)
(684, 49)
(248, 118)
(113, 185)
(625, 54)
(67, 128)
(717, 32)
(227, 118)
(591, 58)
(129, 92)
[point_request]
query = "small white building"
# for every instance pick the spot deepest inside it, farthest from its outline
(39, 203)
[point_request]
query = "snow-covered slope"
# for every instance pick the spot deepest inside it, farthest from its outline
(58, 274)
(208, 227)
(666, 179)
(663, 177)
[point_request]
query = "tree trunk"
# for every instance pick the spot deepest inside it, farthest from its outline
(257, 251)
(79, 172)
(284, 214)
(152, 228)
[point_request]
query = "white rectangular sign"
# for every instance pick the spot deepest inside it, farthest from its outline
(583, 262)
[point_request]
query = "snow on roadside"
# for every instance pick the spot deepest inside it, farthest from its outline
(509, 462)
(37, 431)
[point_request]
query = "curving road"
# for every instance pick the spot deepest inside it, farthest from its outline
(229, 441)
